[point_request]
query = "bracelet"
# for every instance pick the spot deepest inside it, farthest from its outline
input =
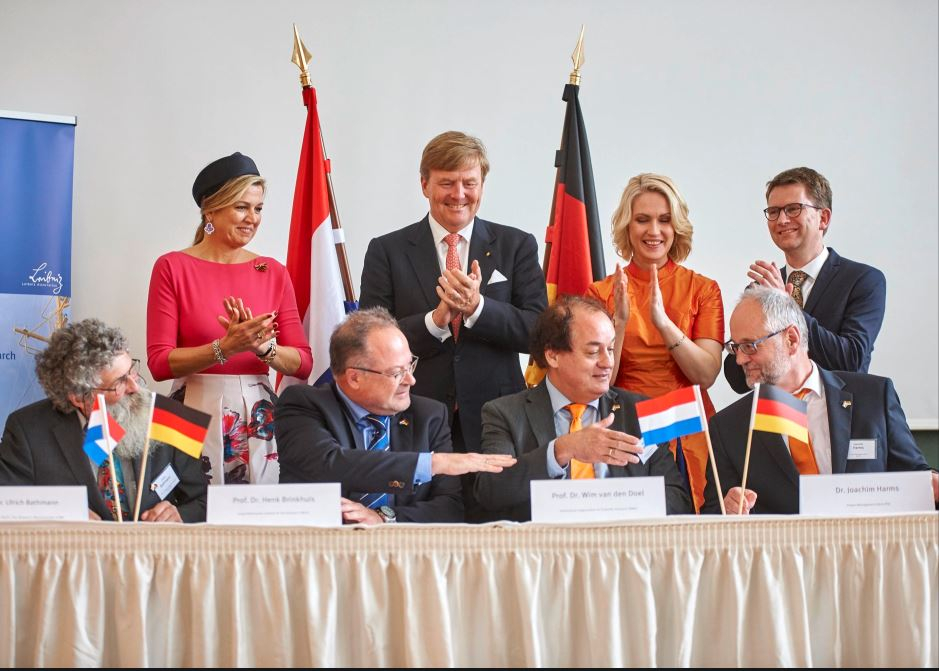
(268, 356)
(270, 346)
(680, 341)
(217, 352)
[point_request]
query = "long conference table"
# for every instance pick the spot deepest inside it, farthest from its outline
(771, 591)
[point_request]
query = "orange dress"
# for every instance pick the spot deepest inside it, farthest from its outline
(693, 303)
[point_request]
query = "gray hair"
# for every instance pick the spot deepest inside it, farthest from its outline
(73, 361)
(779, 311)
(349, 339)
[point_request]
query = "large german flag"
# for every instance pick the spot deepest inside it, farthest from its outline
(575, 259)
(780, 412)
(573, 245)
(179, 425)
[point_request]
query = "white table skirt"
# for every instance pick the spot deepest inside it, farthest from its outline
(685, 591)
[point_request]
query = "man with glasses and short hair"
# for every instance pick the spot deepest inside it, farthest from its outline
(390, 451)
(42, 442)
(770, 341)
(842, 300)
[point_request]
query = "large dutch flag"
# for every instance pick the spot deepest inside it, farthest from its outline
(312, 262)
(96, 445)
(671, 416)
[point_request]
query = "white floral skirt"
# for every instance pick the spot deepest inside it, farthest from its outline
(240, 443)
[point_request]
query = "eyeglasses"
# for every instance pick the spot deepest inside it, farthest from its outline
(749, 348)
(120, 384)
(792, 210)
(397, 375)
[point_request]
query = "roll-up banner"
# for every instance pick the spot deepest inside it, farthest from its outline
(37, 153)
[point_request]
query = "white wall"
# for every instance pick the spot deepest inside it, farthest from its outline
(719, 95)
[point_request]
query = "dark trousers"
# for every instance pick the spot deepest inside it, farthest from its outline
(473, 513)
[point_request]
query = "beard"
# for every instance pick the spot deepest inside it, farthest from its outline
(132, 412)
(772, 371)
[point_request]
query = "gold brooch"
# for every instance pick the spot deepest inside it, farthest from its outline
(261, 267)
(846, 404)
(404, 422)
(616, 407)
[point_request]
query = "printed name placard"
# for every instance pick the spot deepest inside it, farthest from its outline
(44, 504)
(866, 493)
(601, 500)
(314, 505)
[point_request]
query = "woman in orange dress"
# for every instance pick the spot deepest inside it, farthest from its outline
(669, 320)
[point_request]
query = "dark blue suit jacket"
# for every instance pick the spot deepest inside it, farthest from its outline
(860, 406)
(844, 314)
(318, 441)
(400, 273)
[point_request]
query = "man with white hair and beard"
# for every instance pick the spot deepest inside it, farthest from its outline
(42, 442)
(845, 411)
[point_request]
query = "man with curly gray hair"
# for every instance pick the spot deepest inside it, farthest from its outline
(42, 442)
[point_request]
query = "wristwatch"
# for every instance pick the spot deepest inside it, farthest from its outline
(387, 514)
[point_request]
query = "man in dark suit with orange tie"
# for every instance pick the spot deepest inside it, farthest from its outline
(855, 422)
(465, 291)
(573, 424)
(843, 300)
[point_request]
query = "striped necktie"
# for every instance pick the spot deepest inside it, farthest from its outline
(453, 263)
(803, 456)
(378, 441)
(579, 469)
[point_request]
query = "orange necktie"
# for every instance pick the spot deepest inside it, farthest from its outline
(803, 456)
(579, 469)
(453, 263)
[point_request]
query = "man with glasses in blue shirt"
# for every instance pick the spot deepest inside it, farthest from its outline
(390, 451)
(42, 442)
(842, 300)
(855, 422)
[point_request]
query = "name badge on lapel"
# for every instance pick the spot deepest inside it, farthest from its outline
(165, 482)
(862, 449)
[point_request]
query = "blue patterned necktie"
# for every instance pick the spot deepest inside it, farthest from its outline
(378, 442)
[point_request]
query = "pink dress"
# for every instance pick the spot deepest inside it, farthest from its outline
(186, 295)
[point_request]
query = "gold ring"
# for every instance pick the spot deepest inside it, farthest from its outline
(260, 335)
(611, 452)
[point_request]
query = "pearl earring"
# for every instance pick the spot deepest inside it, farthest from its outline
(208, 228)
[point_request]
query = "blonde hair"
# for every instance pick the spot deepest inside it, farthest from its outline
(228, 194)
(453, 150)
(647, 181)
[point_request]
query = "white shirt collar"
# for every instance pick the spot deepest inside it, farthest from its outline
(439, 232)
(813, 267)
(813, 382)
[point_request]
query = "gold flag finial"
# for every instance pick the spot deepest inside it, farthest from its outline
(301, 57)
(578, 58)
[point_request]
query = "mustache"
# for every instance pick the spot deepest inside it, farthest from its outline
(132, 412)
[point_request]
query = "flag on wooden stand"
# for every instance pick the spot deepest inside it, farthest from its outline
(179, 425)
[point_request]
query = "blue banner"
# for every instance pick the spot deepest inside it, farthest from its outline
(36, 164)
(36, 167)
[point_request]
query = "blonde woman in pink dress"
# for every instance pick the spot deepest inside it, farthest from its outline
(220, 318)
